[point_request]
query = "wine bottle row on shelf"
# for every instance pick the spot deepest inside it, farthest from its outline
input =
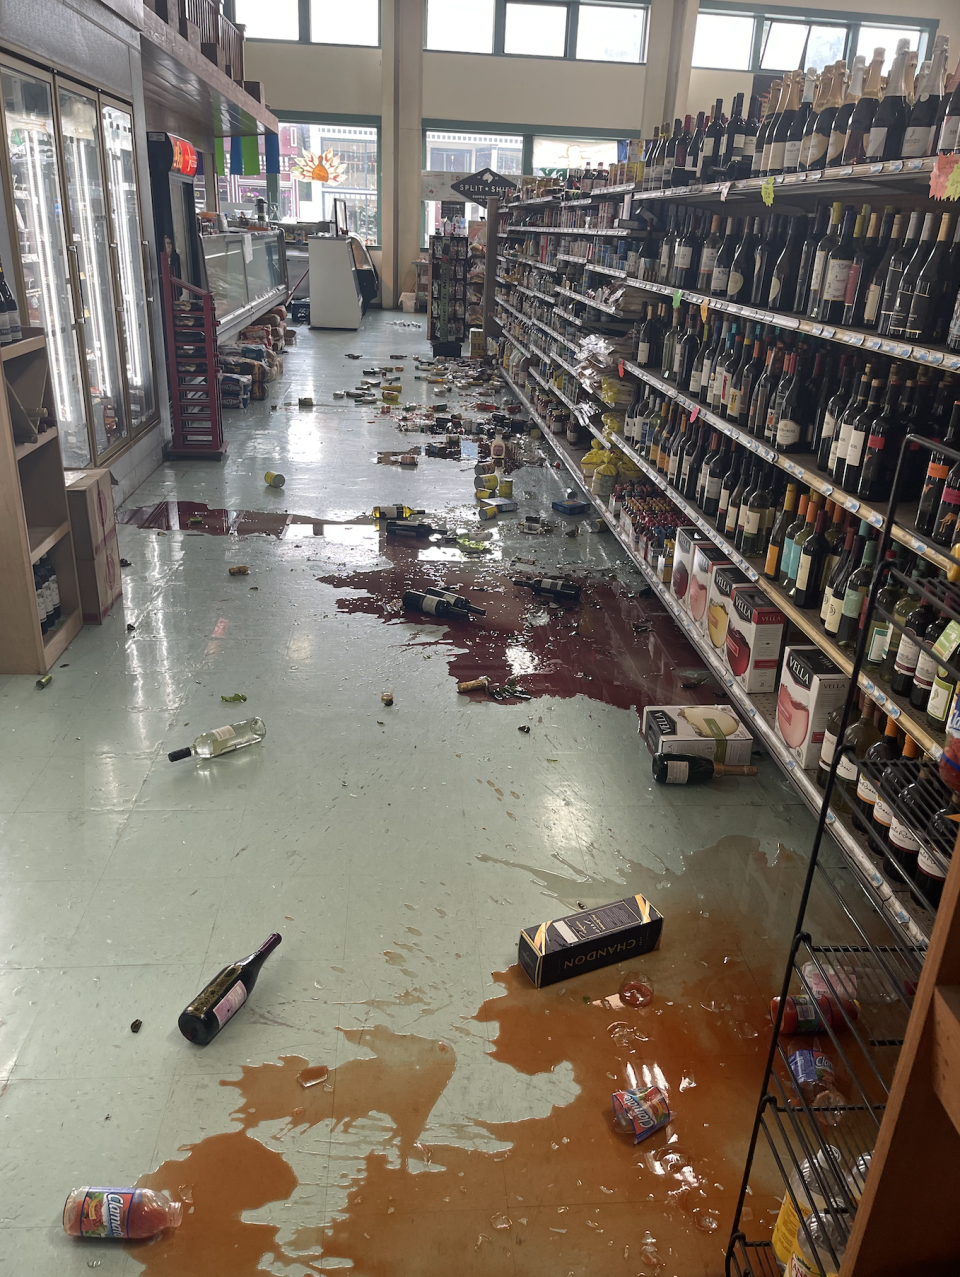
(906, 811)
(10, 329)
(48, 594)
(889, 789)
(894, 273)
(816, 120)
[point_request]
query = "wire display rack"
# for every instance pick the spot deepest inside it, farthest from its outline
(858, 970)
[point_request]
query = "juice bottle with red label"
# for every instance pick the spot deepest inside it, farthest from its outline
(119, 1212)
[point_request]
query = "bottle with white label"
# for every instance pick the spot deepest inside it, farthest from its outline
(893, 782)
(223, 740)
(920, 136)
(875, 760)
(857, 739)
(837, 265)
(220, 1000)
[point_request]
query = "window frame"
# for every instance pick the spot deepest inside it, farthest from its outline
(303, 14)
(348, 121)
(570, 45)
(763, 15)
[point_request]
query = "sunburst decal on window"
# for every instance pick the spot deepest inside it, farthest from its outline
(327, 167)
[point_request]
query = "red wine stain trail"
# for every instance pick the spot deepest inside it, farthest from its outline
(571, 1193)
(195, 516)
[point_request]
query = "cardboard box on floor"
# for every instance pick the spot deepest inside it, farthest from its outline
(593, 938)
(90, 502)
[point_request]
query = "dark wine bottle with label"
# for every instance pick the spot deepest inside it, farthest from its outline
(223, 997)
(414, 601)
(455, 600)
(565, 591)
(689, 769)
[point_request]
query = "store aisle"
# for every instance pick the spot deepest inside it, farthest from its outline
(465, 1119)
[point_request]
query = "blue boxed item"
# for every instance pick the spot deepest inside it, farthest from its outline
(590, 939)
(570, 507)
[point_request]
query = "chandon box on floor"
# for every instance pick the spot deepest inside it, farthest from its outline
(709, 731)
(592, 938)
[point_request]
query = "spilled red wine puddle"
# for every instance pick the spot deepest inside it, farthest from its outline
(565, 1193)
(194, 516)
(590, 648)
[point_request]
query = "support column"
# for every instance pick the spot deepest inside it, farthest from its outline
(211, 191)
(401, 145)
(673, 24)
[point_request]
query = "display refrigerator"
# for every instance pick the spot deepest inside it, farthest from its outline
(71, 180)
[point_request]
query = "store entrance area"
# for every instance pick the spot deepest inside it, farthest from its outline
(395, 1086)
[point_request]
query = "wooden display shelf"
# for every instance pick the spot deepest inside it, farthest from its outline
(34, 519)
(42, 540)
(22, 450)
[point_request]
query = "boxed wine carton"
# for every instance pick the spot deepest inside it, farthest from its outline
(590, 939)
(707, 559)
(754, 635)
(708, 731)
(724, 583)
(810, 687)
(685, 542)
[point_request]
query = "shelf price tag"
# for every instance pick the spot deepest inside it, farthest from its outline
(620, 367)
(766, 191)
(874, 343)
(829, 332)
(875, 168)
(815, 176)
(934, 357)
(677, 298)
(854, 339)
(895, 166)
(851, 504)
(695, 414)
(826, 489)
(875, 519)
(704, 310)
(725, 191)
(845, 172)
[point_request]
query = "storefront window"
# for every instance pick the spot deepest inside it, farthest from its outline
(454, 152)
(318, 162)
(553, 156)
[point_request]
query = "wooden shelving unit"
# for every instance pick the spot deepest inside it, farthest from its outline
(33, 513)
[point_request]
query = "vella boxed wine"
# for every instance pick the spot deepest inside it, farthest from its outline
(754, 635)
(707, 560)
(686, 540)
(810, 687)
(708, 731)
(590, 939)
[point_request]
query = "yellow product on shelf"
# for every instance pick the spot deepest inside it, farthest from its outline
(604, 478)
(618, 394)
(590, 460)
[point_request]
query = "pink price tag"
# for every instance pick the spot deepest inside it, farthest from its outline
(695, 414)
(620, 367)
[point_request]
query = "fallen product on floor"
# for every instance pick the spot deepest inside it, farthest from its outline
(222, 998)
(223, 740)
(687, 769)
(593, 938)
(131, 1213)
(642, 1112)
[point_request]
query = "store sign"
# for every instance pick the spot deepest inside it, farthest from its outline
(479, 187)
(184, 156)
(437, 185)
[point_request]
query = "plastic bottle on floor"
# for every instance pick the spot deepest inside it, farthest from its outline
(807, 1185)
(819, 1249)
(119, 1212)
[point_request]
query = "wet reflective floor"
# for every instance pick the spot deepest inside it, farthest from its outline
(395, 1098)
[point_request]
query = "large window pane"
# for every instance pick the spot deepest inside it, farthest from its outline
(723, 42)
(332, 22)
(606, 33)
(783, 46)
(279, 20)
(553, 156)
(457, 27)
(455, 152)
(886, 38)
(826, 45)
(536, 29)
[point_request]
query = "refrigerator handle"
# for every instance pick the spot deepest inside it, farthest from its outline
(147, 276)
(74, 254)
(118, 304)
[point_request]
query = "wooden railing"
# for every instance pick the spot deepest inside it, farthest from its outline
(202, 22)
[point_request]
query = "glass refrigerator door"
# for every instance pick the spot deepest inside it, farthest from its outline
(34, 170)
(89, 244)
(127, 247)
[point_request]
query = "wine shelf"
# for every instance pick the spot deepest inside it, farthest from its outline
(860, 338)
(897, 707)
(903, 173)
(759, 711)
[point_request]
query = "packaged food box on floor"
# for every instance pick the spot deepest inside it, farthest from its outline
(810, 687)
(686, 540)
(590, 939)
(90, 503)
(708, 731)
(704, 563)
(724, 583)
(753, 639)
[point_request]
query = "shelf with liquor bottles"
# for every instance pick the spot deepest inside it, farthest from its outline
(759, 710)
(829, 129)
(837, 1036)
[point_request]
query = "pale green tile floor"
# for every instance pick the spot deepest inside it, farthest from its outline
(127, 881)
